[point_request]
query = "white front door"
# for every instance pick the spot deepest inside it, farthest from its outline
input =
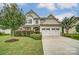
(49, 31)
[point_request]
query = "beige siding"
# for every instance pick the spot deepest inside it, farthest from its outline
(50, 21)
(34, 22)
(73, 30)
(33, 15)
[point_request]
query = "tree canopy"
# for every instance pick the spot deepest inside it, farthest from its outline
(12, 17)
(68, 23)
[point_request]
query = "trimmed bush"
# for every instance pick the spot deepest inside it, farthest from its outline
(36, 36)
(77, 28)
(36, 32)
(2, 33)
(25, 33)
(66, 35)
(18, 33)
(73, 36)
(22, 33)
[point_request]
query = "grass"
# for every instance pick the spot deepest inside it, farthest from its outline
(25, 46)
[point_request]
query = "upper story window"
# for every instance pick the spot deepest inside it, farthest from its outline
(36, 21)
(29, 20)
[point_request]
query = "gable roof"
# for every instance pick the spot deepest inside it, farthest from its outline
(50, 16)
(31, 11)
(50, 20)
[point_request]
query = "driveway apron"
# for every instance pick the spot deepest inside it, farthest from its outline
(57, 45)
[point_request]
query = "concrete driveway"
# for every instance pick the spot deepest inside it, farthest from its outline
(60, 46)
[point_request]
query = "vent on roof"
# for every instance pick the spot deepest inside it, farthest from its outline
(50, 16)
(31, 11)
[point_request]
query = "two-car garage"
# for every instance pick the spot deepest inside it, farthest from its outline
(50, 31)
(50, 26)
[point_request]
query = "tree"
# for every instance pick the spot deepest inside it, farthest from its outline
(68, 23)
(77, 28)
(12, 17)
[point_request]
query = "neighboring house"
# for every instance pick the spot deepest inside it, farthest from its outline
(6, 31)
(49, 25)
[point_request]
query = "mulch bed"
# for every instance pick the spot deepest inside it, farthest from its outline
(12, 40)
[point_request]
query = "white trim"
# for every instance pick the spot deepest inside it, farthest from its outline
(50, 32)
(27, 19)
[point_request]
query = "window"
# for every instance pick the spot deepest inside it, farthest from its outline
(43, 28)
(36, 21)
(47, 28)
(57, 28)
(53, 28)
(29, 20)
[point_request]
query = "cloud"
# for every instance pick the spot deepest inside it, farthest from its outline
(53, 6)
(49, 6)
(21, 4)
(61, 16)
(66, 5)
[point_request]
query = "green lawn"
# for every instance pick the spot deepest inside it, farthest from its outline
(25, 46)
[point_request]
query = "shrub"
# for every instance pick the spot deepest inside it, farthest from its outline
(28, 33)
(36, 36)
(77, 28)
(23, 33)
(66, 35)
(18, 33)
(74, 36)
(3, 33)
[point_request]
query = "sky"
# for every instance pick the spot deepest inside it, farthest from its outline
(59, 10)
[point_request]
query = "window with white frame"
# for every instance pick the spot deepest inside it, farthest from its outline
(36, 21)
(29, 20)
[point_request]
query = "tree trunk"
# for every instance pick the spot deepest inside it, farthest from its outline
(62, 30)
(67, 31)
(12, 32)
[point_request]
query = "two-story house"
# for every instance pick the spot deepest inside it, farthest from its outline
(48, 26)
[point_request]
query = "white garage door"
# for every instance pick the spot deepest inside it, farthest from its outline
(50, 31)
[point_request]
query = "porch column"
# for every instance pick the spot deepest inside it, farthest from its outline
(31, 28)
